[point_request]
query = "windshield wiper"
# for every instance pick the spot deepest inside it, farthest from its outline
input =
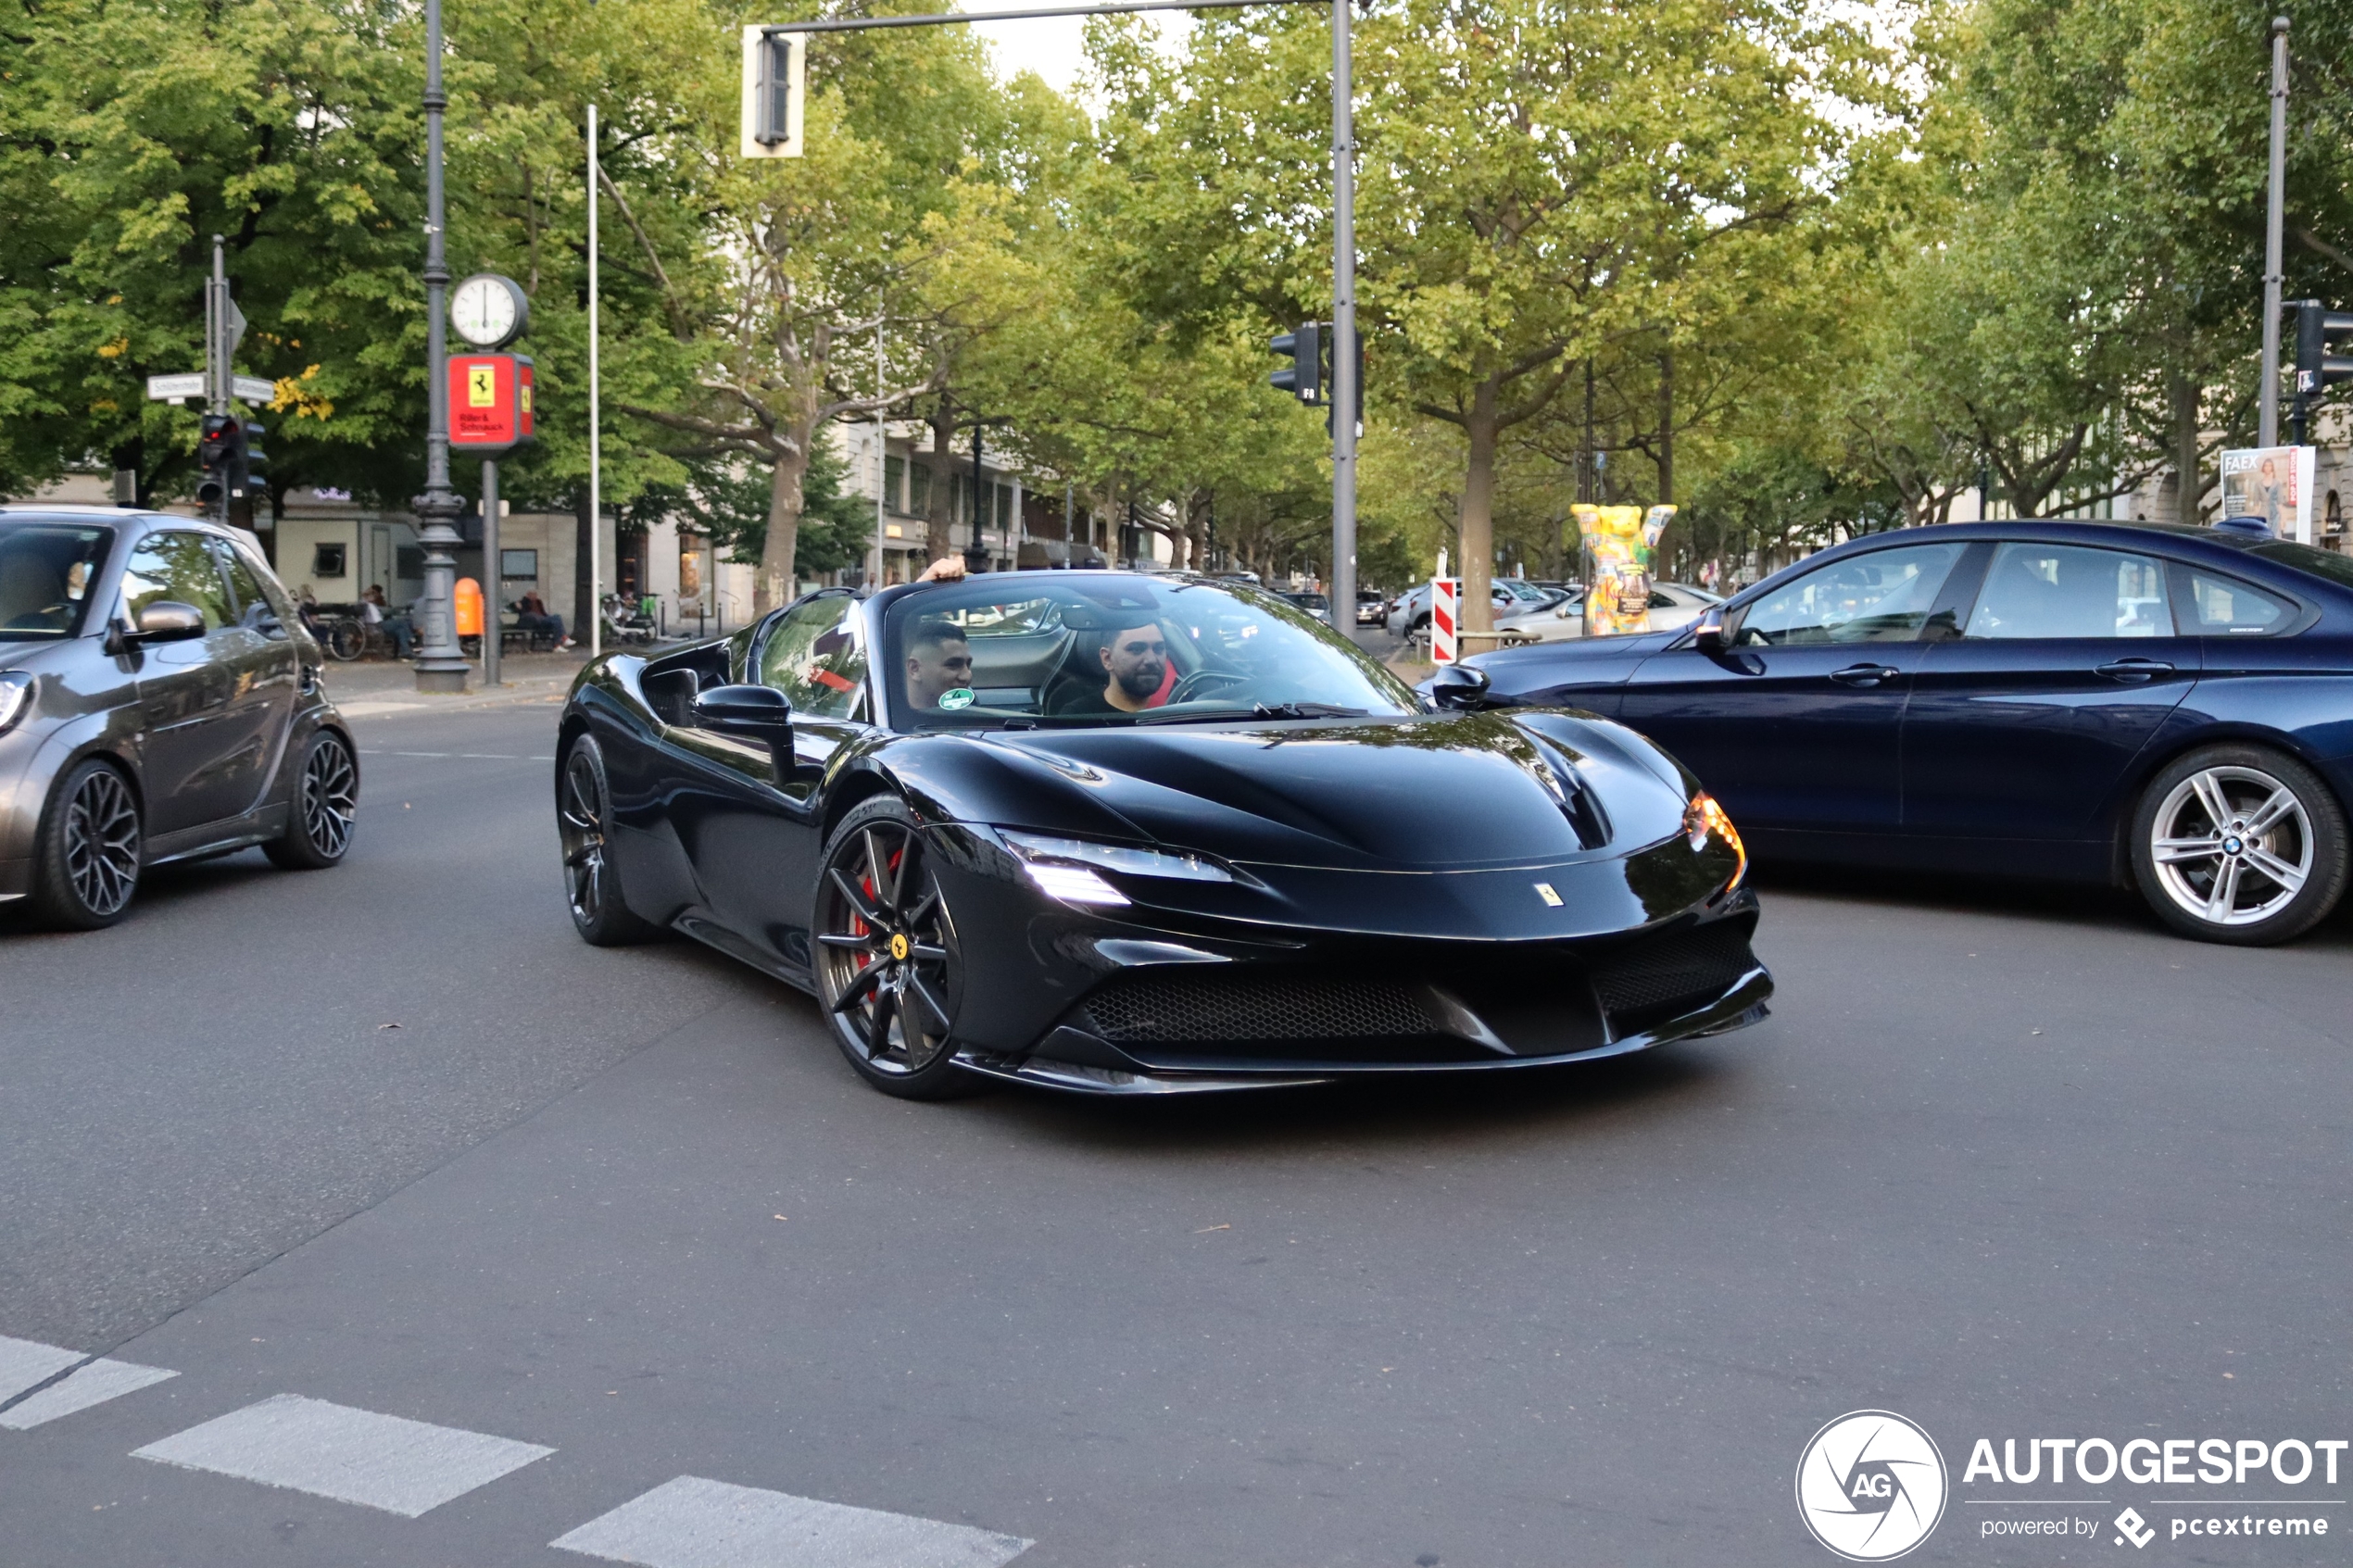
(1305, 710)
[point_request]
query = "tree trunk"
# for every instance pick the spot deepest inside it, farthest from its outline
(937, 544)
(1478, 511)
(1662, 552)
(774, 586)
(2181, 392)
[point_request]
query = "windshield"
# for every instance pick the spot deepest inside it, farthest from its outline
(1028, 649)
(47, 570)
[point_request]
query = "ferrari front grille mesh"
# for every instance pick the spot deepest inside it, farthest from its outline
(1215, 1007)
(1673, 974)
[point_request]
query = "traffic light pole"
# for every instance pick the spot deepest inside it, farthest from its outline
(441, 665)
(217, 350)
(1345, 402)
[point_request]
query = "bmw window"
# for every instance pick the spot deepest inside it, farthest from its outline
(2067, 590)
(1884, 597)
(45, 575)
(2224, 607)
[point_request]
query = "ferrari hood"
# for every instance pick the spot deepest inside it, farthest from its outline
(1447, 791)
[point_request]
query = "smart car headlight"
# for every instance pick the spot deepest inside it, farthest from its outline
(1066, 868)
(15, 698)
(1702, 819)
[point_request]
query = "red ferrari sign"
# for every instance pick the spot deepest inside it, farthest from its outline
(489, 402)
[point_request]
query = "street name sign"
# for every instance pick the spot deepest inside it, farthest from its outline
(166, 389)
(253, 389)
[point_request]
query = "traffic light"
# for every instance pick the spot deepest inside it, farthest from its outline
(252, 471)
(775, 79)
(1304, 380)
(217, 440)
(1329, 347)
(2316, 368)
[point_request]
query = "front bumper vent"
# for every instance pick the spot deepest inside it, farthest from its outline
(1222, 1008)
(1644, 984)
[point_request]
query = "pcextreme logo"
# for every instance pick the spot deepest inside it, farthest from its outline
(1871, 1486)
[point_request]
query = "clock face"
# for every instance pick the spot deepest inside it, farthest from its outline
(484, 308)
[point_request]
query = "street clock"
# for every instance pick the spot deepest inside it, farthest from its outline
(489, 311)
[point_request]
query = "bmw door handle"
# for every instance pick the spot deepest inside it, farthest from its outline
(2132, 671)
(1864, 674)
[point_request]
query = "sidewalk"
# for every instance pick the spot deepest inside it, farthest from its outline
(370, 686)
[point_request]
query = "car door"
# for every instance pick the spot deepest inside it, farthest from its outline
(1794, 724)
(755, 853)
(264, 670)
(2022, 729)
(190, 778)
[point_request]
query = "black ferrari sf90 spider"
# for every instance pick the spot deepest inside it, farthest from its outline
(1130, 833)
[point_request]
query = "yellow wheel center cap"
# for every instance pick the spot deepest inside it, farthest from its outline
(898, 948)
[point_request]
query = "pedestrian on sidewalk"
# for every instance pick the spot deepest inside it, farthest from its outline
(393, 624)
(532, 615)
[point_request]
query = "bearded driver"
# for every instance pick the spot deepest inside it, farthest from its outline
(1137, 673)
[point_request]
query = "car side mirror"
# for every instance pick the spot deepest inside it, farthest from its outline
(756, 712)
(1459, 687)
(1707, 633)
(168, 621)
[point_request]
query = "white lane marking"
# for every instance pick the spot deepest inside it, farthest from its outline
(93, 1385)
(366, 709)
(404, 1467)
(489, 757)
(417, 754)
(691, 1523)
(24, 1363)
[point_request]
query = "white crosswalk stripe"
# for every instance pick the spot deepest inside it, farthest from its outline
(691, 1523)
(93, 1385)
(404, 1467)
(25, 1364)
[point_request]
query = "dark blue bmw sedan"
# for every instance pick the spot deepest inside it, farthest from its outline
(2165, 708)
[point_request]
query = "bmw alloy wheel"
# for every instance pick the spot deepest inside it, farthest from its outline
(886, 953)
(102, 843)
(2231, 845)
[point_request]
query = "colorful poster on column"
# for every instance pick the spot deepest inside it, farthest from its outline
(1618, 541)
(2273, 484)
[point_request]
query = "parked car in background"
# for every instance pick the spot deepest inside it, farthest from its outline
(1411, 614)
(2167, 708)
(1673, 605)
(1371, 609)
(159, 701)
(1314, 604)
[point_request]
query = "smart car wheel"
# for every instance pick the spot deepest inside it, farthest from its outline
(2239, 843)
(89, 849)
(592, 883)
(325, 804)
(887, 962)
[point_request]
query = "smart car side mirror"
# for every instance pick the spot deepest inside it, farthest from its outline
(1459, 687)
(755, 712)
(1707, 633)
(168, 621)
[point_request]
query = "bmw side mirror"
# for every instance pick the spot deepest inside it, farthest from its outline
(755, 712)
(1708, 632)
(1459, 687)
(166, 621)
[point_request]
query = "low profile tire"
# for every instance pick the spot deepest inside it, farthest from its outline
(87, 861)
(325, 806)
(2239, 843)
(600, 912)
(888, 972)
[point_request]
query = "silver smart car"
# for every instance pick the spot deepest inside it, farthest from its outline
(159, 701)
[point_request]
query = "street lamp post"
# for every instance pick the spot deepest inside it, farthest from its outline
(1344, 574)
(441, 667)
(2266, 420)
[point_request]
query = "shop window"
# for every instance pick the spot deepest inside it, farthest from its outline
(519, 564)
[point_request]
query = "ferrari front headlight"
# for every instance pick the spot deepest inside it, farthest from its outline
(1066, 868)
(16, 697)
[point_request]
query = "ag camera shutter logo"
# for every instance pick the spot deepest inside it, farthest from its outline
(1871, 1486)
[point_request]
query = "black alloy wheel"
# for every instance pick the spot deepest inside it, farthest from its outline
(592, 883)
(2239, 843)
(89, 849)
(325, 805)
(887, 959)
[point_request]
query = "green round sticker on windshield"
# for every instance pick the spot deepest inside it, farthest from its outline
(961, 696)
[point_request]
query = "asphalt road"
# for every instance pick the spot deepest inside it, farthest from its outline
(389, 1137)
